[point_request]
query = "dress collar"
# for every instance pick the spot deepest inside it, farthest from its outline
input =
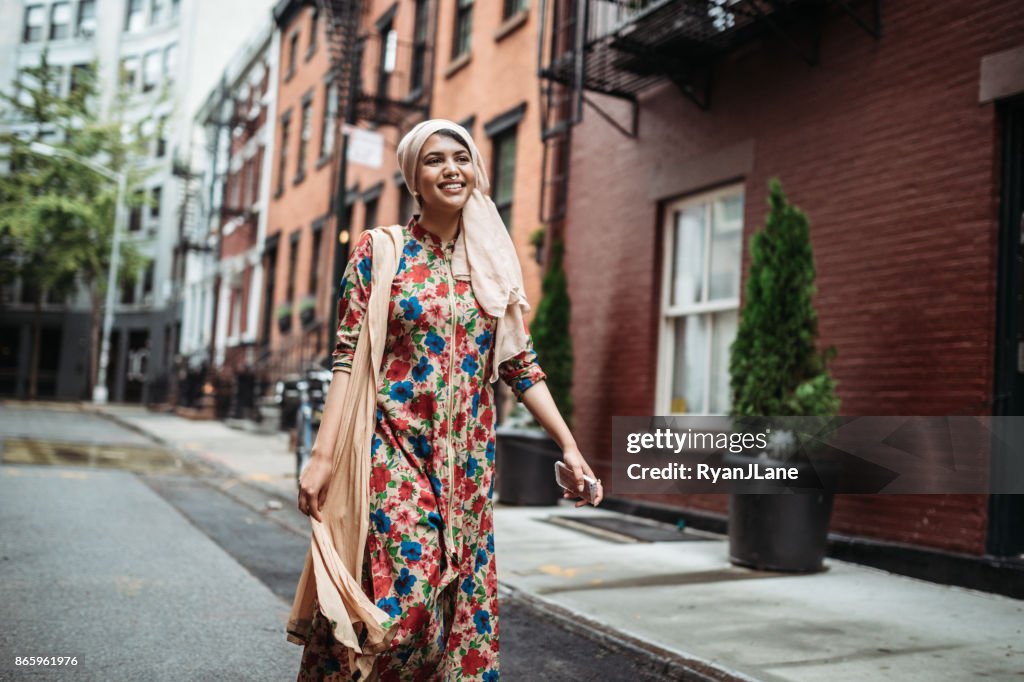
(428, 238)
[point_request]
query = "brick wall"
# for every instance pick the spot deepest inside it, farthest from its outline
(885, 146)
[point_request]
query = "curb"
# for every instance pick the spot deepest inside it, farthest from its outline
(673, 665)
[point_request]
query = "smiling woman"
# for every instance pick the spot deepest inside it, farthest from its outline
(454, 325)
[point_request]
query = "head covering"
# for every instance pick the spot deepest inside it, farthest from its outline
(484, 252)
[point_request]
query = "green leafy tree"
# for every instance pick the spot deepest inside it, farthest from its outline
(775, 367)
(550, 330)
(57, 215)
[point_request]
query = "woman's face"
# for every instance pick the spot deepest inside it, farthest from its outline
(444, 175)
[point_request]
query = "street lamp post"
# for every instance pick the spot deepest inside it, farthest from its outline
(99, 391)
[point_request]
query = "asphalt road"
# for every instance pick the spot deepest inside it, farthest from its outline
(172, 573)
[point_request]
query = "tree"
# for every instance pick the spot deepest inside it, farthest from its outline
(775, 367)
(550, 331)
(57, 216)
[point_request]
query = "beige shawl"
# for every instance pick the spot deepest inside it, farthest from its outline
(484, 252)
(335, 559)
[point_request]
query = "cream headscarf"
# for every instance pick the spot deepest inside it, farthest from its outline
(484, 252)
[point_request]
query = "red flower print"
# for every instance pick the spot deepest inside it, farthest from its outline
(405, 490)
(400, 424)
(462, 286)
(442, 289)
(415, 618)
(473, 661)
(379, 478)
(381, 584)
(427, 501)
(478, 504)
(398, 370)
(486, 416)
(460, 421)
(422, 406)
(419, 273)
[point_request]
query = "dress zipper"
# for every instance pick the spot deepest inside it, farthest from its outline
(451, 400)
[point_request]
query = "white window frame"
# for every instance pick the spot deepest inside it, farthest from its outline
(668, 313)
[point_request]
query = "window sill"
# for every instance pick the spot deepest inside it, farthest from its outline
(510, 25)
(299, 178)
(289, 75)
(457, 64)
(310, 52)
(323, 161)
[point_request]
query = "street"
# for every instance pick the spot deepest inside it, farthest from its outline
(144, 564)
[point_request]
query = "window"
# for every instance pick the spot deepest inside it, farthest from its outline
(388, 53)
(314, 29)
(60, 21)
(129, 72)
(504, 173)
(314, 264)
(293, 260)
(329, 121)
(293, 48)
(406, 205)
(156, 14)
(35, 23)
(135, 217)
(419, 47)
(150, 70)
(305, 132)
(135, 16)
(80, 76)
(161, 137)
(513, 7)
(254, 174)
(282, 158)
(175, 9)
(463, 28)
(700, 302)
(154, 207)
(86, 18)
(170, 62)
(370, 215)
(147, 283)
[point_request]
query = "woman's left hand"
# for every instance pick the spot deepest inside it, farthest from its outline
(573, 459)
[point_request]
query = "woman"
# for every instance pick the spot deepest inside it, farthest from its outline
(454, 324)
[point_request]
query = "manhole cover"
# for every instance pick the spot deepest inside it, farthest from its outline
(131, 458)
(625, 530)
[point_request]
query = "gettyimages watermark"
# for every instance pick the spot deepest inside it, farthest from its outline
(868, 455)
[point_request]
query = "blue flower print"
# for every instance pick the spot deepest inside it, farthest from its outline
(471, 467)
(435, 483)
(476, 404)
(470, 365)
(381, 521)
(490, 543)
(411, 307)
(390, 606)
(412, 247)
(490, 676)
(523, 384)
(434, 342)
(481, 560)
(375, 444)
(404, 582)
(401, 391)
(467, 585)
(422, 370)
(413, 551)
(421, 446)
(484, 341)
(482, 620)
(401, 266)
(490, 450)
(434, 519)
(365, 269)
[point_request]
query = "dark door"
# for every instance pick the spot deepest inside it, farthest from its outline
(1006, 512)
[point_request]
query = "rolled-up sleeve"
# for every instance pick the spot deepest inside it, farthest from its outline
(355, 295)
(522, 371)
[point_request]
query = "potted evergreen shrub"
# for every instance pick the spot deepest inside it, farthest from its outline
(526, 455)
(284, 317)
(307, 309)
(776, 370)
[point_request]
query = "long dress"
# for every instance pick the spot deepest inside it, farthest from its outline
(429, 558)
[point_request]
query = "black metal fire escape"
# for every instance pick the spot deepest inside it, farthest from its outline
(621, 47)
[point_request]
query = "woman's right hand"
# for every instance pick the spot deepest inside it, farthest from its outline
(313, 486)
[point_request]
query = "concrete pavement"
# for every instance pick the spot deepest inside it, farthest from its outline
(686, 602)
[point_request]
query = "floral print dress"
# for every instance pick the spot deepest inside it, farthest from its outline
(429, 557)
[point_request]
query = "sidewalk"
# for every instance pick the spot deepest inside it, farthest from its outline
(684, 601)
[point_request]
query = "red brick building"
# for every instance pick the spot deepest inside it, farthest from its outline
(900, 150)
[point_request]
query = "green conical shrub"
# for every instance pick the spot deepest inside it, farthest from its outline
(550, 330)
(775, 368)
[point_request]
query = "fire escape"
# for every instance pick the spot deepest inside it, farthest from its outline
(621, 47)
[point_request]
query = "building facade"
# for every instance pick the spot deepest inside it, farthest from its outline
(894, 135)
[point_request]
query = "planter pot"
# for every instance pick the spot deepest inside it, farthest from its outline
(307, 315)
(780, 531)
(525, 468)
(284, 323)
